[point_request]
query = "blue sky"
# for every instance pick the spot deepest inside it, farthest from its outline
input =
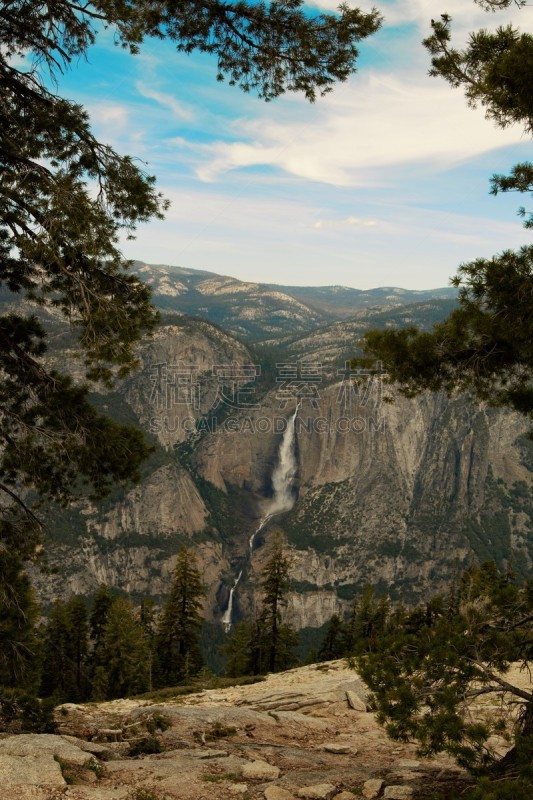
(382, 183)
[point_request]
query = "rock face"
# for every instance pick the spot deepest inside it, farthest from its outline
(398, 792)
(397, 495)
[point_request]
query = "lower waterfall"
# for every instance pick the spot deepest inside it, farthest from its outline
(226, 618)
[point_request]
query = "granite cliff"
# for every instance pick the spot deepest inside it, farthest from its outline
(399, 494)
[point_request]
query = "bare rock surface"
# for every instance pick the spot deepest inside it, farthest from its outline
(277, 793)
(30, 770)
(35, 745)
(372, 788)
(293, 735)
(320, 791)
(399, 792)
(338, 748)
(260, 771)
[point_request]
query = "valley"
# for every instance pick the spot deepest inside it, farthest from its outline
(399, 493)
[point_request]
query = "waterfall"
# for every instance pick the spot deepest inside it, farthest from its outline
(285, 471)
(228, 613)
(282, 497)
(254, 534)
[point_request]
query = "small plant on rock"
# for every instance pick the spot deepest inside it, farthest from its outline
(147, 745)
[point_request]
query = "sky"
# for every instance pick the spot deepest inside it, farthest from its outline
(383, 182)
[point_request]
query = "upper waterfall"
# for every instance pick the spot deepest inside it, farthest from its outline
(285, 471)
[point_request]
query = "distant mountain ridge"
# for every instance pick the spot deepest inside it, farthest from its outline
(258, 312)
(341, 301)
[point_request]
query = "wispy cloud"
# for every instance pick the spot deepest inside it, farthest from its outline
(272, 239)
(175, 106)
(351, 222)
(466, 14)
(109, 114)
(360, 131)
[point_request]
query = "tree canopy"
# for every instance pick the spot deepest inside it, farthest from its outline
(65, 198)
(486, 343)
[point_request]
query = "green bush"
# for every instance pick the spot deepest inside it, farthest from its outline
(158, 722)
(21, 712)
(145, 746)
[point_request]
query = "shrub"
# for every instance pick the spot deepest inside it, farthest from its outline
(145, 746)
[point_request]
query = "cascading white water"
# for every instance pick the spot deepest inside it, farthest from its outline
(282, 498)
(285, 471)
(226, 619)
(254, 534)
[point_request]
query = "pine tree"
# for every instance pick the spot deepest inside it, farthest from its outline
(18, 613)
(368, 619)
(274, 639)
(237, 650)
(65, 669)
(59, 667)
(147, 620)
(102, 603)
(332, 645)
(258, 648)
(178, 634)
(124, 650)
(428, 667)
(77, 613)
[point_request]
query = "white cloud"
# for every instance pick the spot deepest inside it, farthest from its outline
(354, 136)
(355, 222)
(178, 109)
(281, 190)
(466, 14)
(113, 115)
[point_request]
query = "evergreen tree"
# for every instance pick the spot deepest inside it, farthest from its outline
(147, 620)
(273, 638)
(77, 614)
(65, 670)
(178, 634)
(18, 613)
(368, 619)
(426, 670)
(59, 667)
(332, 645)
(237, 650)
(124, 650)
(102, 603)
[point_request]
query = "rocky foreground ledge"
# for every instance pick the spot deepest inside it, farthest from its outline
(303, 734)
